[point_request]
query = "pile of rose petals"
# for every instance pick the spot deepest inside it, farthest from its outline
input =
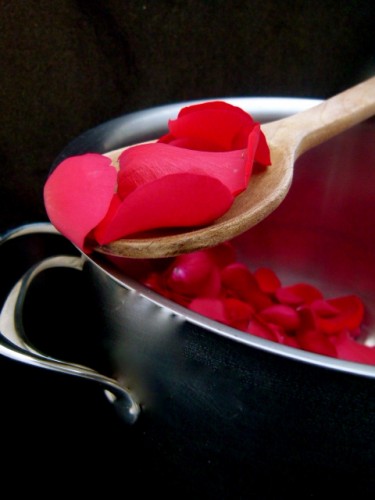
(188, 178)
(213, 283)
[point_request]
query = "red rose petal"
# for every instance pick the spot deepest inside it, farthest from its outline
(282, 315)
(78, 193)
(223, 254)
(155, 281)
(308, 318)
(252, 146)
(350, 315)
(194, 274)
(146, 163)
(261, 329)
(267, 280)
(238, 280)
(350, 350)
(218, 105)
(356, 332)
(138, 269)
(216, 125)
(351, 307)
(195, 143)
(301, 293)
(238, 313)
(323, 308)
(209, 307)
(289, 340)
(314, 341)
(263, 155)
(238, 277)
(298, 325)
(176, 200)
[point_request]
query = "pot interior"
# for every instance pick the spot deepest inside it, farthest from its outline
(321, 234)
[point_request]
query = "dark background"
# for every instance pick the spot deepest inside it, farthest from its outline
(69, 65)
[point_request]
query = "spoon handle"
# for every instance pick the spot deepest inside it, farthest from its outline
(329, 118)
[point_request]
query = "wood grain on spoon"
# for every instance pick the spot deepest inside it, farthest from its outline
(287, 138)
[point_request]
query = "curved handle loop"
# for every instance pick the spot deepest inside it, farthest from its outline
(14, 344)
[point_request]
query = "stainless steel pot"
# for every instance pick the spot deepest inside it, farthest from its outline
(223, 407)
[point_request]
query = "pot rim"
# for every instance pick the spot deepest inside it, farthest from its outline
(228, 332)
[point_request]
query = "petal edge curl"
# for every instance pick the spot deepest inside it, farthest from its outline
(78, 193)
(176, 200)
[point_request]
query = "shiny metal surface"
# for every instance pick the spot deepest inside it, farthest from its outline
(15, 345)
(322, 233)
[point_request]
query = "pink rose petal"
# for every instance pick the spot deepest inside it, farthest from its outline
(78, 193)
(176, 200)
(146, 163)
(215, 139)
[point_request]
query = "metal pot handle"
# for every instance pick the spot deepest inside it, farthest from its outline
(14, 343)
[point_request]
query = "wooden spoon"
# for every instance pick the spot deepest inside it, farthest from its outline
(287, 138)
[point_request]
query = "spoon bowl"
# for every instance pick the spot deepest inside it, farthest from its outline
(287, 138)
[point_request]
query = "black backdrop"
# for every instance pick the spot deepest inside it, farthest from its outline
(69, 65)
